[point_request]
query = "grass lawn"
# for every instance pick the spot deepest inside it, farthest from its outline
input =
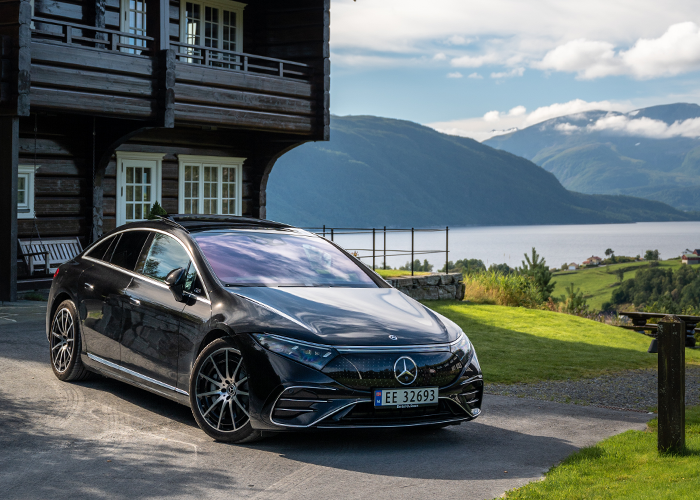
(515, 344)
(395, 273)
(598, 283)
(625, 466)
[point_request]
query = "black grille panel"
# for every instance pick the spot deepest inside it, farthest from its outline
(365, 415)
(374, 370)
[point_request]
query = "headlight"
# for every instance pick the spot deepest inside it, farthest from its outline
(462, 347)
(313, 355)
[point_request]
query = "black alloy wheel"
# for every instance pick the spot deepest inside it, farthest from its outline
(65, 344)
(219, 393)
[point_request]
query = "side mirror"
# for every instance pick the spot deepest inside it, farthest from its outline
(176, 282)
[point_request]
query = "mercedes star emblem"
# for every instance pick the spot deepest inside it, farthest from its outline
(405, 370)
(393, 337)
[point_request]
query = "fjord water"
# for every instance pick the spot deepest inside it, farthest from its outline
(557, 244)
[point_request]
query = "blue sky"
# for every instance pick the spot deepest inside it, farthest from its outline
(470, 68)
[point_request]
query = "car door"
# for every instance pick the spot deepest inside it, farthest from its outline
(103, 292)
(152, 315)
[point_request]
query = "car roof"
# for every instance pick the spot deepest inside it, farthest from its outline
(194, 222)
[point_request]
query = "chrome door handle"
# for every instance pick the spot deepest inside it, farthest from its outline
(89, 286)
(134, 301)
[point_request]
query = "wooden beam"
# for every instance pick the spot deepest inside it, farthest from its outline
(9, 160)
(158, 24)
(15, 28)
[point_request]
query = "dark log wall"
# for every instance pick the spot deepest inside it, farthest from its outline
(62, 188)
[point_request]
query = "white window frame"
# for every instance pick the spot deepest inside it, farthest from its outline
(125, 27)
(147, 160)
(229, 5)
(27, 172)
(219, 161)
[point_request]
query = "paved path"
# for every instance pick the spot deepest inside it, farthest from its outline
(105, 439)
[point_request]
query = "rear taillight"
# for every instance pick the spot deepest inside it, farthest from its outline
(55, 274)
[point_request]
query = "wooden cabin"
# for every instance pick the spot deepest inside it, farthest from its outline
(107, 106)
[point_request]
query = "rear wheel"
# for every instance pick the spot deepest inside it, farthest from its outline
(65, 344)
(219, 393)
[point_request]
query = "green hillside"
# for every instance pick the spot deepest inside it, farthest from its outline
(598, 283)
(379, 171)
(610, 162)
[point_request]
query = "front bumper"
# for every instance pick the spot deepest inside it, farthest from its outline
(286, 395)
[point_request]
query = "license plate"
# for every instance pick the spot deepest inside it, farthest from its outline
(405, 398)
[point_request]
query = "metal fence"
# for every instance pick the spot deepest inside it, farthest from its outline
(384, 252)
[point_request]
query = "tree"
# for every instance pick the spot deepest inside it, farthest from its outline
(651, 255)
(156, 211)
(536, 268)
(501, 268)
(466, 266)
(574, 301)
(620, 273)
(417, 266)
(609, 252)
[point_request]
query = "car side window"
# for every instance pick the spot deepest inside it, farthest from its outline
(128, 249)
(100, 250)
(164, 255)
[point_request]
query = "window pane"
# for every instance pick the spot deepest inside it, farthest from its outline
(128, 249)
(165, 255)
(99, 250)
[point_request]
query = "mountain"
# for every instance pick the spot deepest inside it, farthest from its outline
(380, 171)
(640, 153)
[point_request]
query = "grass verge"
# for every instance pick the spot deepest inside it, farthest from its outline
(515, 344)
(626, 466)
(396, 273)
(598, 283)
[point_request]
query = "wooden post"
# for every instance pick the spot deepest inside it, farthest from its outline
(9, 159)
(671, 335)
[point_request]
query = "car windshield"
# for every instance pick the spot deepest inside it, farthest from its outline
(257, 258)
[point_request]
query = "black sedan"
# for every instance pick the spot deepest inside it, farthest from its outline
(259, 327)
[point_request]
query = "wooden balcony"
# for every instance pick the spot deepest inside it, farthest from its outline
(87, 70)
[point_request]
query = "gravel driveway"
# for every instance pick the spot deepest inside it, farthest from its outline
(105, 439)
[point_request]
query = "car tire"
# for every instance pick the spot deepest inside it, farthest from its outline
(65, 344)
(219, 393)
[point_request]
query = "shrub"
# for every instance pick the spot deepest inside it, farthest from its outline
(156, 211)
(492, 287)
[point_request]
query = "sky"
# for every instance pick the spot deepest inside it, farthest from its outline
(480, 68)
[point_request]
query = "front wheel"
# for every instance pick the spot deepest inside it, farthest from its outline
(65, 344)
(219, 393)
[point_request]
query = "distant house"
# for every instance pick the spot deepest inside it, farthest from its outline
(592, 261)
(573, 266)
(691, 257)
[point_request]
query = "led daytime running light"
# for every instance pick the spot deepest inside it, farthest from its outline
(313, 355)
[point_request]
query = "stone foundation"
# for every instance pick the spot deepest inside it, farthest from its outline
(431, 287)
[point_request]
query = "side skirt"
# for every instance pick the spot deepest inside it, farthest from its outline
(113, 370)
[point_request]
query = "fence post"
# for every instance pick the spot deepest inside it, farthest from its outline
(671, 335)
(332, 235)
(412, 251)
(447, 249)
(374, 239)
(324, 230)
(384, 247)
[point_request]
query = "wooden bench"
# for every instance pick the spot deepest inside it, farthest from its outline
(35, 251)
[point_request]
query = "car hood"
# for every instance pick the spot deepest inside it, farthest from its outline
(346, 316)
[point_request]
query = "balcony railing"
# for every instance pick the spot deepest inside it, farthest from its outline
(103, 38)
(131, 43)
(239, 61)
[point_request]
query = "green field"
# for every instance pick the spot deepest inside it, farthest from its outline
(598, 283)
(625, 466)
(527, 345)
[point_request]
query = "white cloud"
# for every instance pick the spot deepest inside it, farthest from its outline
(497, 123)
(458, 40)
(440, 56)
(475, 76)
(456, 74)
(509, 74)
(646, 127)
(566, 128)
(517, 111)
(674, 52)
(474, 62)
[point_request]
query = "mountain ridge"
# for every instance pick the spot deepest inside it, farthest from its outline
(379, 171)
